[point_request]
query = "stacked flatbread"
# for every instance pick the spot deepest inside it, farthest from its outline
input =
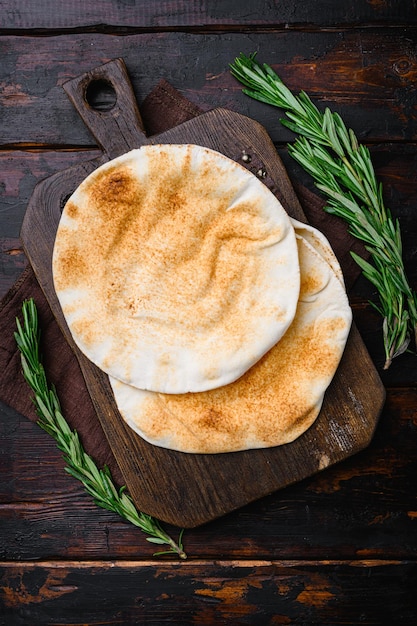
(219, 320)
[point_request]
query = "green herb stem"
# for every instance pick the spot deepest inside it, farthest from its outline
(342, 170)
(97, 482)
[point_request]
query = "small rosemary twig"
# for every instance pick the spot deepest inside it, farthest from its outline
(342, 169)
(97, 482)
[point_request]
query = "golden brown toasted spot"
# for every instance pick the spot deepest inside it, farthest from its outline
(153, 420)
(157, 425)
(71, 267)
(87, 329)
(112, 184)
(311, 283)
(116, 196)
(314, 350)
(71, 209)
(215, 420)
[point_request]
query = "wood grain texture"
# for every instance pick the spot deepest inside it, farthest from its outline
(260, 592)
(367, 77)
(141, 14)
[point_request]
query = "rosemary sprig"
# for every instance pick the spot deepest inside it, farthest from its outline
(342, 170)
(97, 482)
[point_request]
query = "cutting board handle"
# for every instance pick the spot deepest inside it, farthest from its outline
(119, 128)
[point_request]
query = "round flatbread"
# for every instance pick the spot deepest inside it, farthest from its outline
(321, 244)
(277, 399)
(176, 269)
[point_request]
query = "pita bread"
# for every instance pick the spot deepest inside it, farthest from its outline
(176, 269)
(277, 399)
(321, 244)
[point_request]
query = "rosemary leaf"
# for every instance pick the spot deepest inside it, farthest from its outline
(342, 170)
(97, 482)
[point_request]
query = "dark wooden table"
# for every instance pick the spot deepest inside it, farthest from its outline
(339, 547)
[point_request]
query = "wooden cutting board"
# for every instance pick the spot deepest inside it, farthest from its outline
(190, 489)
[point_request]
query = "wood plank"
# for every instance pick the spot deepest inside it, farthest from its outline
(252, 592)
(402, 371)
(369, 78)
(364, 507)
(12, 262)
(20, 171)
(109, 14)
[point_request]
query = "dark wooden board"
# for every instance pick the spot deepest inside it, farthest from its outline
(367, 76)
(115, 15)
(184, 489)
(252, 592)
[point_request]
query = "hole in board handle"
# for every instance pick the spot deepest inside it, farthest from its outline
(100, 95)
